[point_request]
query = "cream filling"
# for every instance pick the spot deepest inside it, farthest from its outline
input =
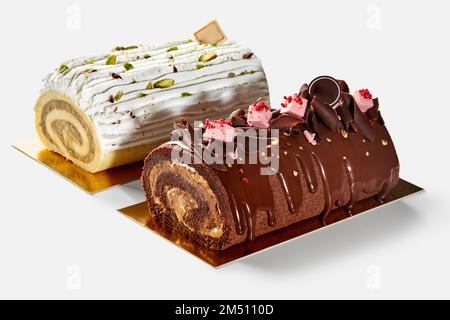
(182, 203)
(81, 149)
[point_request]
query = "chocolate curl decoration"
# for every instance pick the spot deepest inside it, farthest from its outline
(376, 106)
(360, 121)
(373, 113)
(343, 110)
(238, 118)
(182, 124)
(177, 135)
(275, 113)
(304, 91)
(313, 123)
(343, 85)
(287, 121)
(326, 114)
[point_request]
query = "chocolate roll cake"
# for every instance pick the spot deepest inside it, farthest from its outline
(110, 109)
(332, 147)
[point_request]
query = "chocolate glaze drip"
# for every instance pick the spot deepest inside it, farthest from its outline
(350, 169)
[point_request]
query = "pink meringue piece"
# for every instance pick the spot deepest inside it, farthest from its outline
(363, 99)
(310, 137)
(259, 115)
(219, 130)
(294, 105)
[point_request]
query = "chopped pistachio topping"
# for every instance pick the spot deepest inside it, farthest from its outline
(186, 94)
(142, 95)
(88, 71)
(128, 66)
(90, 61)
(149, 86)
(189, 40)
(147, 56)
(165, 83)
(243, 73)
(172, 49)
(199, 66)
(118, 96)
(208, 56)
(112, 59)
(63, 68)
(125, 48)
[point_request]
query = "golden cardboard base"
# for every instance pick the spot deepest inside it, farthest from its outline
(139, 213)
(89, 182)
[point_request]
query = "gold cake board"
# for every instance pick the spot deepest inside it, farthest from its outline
(139, 213)
(95, 182)
(89, 182)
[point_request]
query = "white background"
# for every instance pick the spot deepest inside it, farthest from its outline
(58, 242)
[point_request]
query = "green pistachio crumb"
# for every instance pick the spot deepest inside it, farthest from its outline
(186, 94)
(172, 49)
(165, 83)
(128, 66)
(63, 68)
(112, 59)
(207, 56)
(118, 96)
(149, 86)
(119, 48)
(247, 72)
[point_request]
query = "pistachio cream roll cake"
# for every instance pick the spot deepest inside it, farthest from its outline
(108, 110)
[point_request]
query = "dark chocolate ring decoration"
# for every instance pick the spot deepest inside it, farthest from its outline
(326, 89)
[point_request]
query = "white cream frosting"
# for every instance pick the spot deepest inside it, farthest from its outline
(136, 120)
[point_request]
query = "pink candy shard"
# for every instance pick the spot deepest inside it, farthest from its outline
(294, 105)
(310, 137)
(259, 115)
(363, 99)
(219, 130)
